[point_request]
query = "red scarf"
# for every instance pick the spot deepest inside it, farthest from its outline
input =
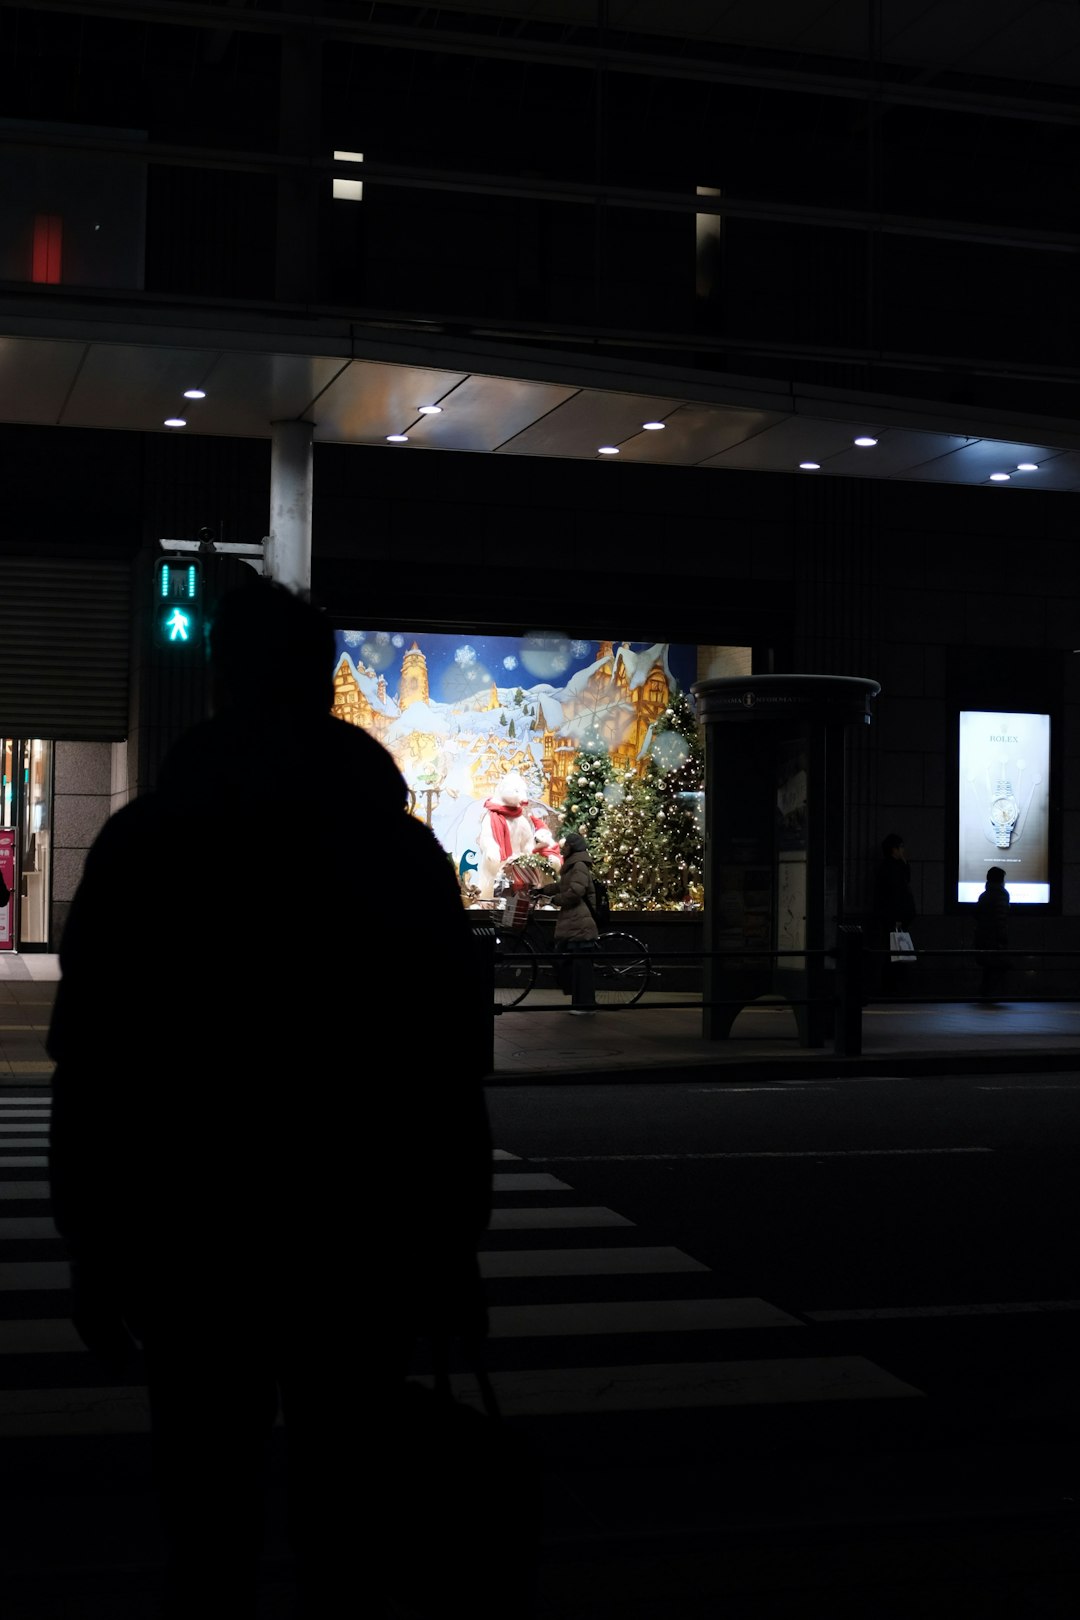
(500, 814)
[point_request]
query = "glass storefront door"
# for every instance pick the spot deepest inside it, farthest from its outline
(26, 795)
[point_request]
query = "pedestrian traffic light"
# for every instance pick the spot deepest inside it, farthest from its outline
(178, 602)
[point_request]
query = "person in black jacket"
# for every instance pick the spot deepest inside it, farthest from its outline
(576, 932)
(251, 1028)
(893, 904)
(992, 934)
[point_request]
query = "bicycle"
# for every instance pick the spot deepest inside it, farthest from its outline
(621, 966)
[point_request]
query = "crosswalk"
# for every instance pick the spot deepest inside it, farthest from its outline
(574, 1289)
(49, 1386)
(591, 1320)
(568, 1280)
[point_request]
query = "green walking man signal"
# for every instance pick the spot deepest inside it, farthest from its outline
(178, 602)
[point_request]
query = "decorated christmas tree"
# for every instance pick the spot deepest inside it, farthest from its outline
(650, 844)
(586, 803)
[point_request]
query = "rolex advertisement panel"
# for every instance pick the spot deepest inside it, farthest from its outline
(1004, 807)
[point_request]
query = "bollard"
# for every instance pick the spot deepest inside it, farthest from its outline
(479, 1018)
(848, 1038)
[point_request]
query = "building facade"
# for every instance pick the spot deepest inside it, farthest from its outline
(560, 225)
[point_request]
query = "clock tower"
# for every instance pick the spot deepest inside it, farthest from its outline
(414, 679)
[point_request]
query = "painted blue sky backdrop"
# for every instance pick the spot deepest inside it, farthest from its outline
(459, 666)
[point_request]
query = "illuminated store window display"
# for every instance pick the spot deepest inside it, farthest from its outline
(506, 740)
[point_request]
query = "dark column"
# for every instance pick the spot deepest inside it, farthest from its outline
(299, 125)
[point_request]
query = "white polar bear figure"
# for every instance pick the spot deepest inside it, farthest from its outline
(505, 831)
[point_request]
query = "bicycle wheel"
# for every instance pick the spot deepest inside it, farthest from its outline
(515, 969)
(621, 970)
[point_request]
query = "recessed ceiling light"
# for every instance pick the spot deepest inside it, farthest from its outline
(653, 427)
(194, 393)
(864, 441)
(608, 450)
(430, 410)
(1027, 466)
(397, 438)
(1000, 478)
(175, 421)
(810, 466)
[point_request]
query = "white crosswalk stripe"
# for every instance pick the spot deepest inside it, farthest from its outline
(678, 1385)
(634, 1316)
(31, 1336)
(27, 1226)
(523, 1220)
(28, 1412)
(585, 1262)
(19, 1276)
(527, 1181)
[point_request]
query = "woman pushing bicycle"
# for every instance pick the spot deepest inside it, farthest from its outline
(576, 933)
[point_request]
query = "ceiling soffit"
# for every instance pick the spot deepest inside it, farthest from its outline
(499, 402)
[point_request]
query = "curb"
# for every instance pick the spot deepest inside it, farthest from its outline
(826, 1067)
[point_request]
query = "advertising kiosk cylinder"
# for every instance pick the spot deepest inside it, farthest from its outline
(774, 841)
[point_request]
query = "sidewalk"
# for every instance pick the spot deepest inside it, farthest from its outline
(27, 988)
(540, 1041)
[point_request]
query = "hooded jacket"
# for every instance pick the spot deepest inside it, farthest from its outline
(575, 921)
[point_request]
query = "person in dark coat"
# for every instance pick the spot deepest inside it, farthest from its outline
(992, 934)
(576, 932)
(265, 1010)
(893, 905)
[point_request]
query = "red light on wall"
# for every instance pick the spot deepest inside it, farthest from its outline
(48, 237)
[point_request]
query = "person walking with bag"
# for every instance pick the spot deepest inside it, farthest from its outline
(576, 931)
(893, 906)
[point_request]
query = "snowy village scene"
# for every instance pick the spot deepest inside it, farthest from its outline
(529, 737)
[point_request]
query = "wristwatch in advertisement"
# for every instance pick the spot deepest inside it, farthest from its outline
(1003, 813)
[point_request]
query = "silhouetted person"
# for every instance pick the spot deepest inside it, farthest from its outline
(893, 905)
(992, 934)
(269, 1156)
(575, 927)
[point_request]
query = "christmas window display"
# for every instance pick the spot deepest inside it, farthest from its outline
(507, 743)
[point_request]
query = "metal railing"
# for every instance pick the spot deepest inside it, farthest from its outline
(846, 994)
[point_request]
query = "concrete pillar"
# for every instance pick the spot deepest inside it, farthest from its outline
(288, 550)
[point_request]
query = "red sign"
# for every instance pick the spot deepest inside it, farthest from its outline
(7, 872)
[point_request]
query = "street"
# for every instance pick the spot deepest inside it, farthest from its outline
(902, 1434)
(851, 1193)
(769, 1347)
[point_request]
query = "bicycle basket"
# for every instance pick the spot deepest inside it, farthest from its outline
(516, 913)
